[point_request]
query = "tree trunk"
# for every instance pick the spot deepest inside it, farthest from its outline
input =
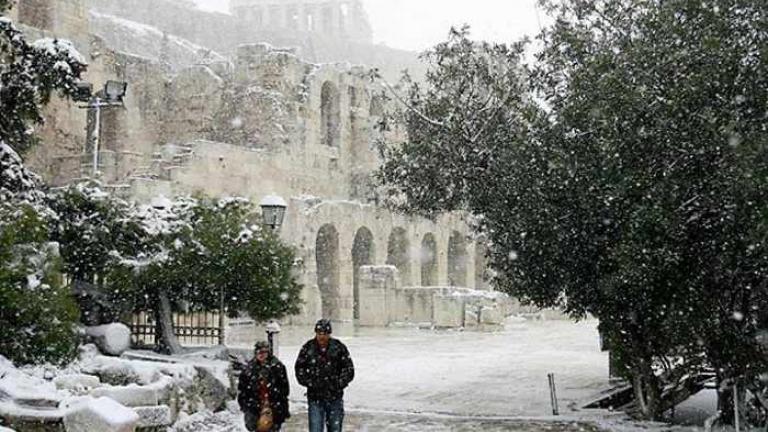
(165, 338)
(647, 393)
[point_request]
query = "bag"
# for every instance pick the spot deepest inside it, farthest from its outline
(266, 420)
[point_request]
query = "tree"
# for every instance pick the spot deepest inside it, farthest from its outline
(239, 263)
(203, 254)
(630, 188)
(38, 314)
(91, 226)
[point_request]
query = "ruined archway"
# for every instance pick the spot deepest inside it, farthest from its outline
(398, 255)
(330, 115)
(428, 258)
(327, 258)
(362, 254)
(457, 260)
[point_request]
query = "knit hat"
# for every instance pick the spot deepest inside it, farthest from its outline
(260, 345)
(323, 326)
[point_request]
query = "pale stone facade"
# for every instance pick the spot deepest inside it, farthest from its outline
(265, 122)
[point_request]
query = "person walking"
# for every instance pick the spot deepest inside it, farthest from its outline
(263, 391)
(325, 368)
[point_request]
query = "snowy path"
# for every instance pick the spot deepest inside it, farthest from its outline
(422, 380)
(412, 380)
(470, 373)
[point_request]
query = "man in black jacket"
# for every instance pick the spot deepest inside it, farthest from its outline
(263, 391)
(325, 368)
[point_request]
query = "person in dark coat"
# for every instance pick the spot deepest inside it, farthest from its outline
(263, 391)
(325, 368)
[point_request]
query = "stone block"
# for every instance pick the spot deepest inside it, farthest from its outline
(131, 395)
(154, 416)
(449, 311)
(113, 339)
(377, 283)
(100, 415)
(492, 316)
(77, 382)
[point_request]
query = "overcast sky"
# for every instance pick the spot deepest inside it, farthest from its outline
(418, 24)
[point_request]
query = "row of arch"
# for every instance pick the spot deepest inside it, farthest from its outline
(330, 112)
(328, 256)
(330, 17)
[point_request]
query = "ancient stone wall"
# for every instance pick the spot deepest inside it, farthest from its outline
(224, 33)
(267, 122)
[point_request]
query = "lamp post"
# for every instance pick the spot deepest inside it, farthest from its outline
(273, 211)
(110, 96)
(273, 329)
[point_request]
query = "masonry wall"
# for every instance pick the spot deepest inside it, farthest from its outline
(268, 122)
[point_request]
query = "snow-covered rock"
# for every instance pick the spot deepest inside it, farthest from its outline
(77, 383)
(131, 395)
(113, 339)
(25, 390)
(154, 416)
(5, 429)
(100, 415)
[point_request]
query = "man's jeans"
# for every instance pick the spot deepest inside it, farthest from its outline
(326, 413)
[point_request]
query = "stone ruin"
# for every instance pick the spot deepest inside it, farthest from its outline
(254, 120)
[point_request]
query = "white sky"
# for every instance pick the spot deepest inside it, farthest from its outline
(419, 24)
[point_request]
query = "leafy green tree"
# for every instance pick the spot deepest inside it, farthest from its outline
(37, 314)
(238, 262)
(203, 254)
(91, 225)
(625, 180)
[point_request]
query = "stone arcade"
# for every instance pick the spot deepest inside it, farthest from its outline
(251, 120)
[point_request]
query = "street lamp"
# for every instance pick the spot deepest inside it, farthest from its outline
(273, 211)
(110, 96)
(273, 328)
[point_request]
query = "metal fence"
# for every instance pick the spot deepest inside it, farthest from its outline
(192, 329)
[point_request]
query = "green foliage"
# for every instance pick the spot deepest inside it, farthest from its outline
(29, 75)
(38, 314)
(200, 252)
(632, 187)
(91, 224)
(251, 268)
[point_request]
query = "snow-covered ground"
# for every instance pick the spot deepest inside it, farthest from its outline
(409, 379)
(471, 373)
(430, 380)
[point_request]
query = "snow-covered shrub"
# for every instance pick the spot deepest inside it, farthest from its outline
(29, 76)
(38, 315)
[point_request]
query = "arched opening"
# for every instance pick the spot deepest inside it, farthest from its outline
(327, 258)
(377, 107)
(362, 254)
(428, 261)
(330, 114)
(481, 266)
(457, 260)
(398, 256)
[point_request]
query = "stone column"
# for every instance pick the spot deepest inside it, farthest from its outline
(317, 18)
(335, 18)
(301, 17)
